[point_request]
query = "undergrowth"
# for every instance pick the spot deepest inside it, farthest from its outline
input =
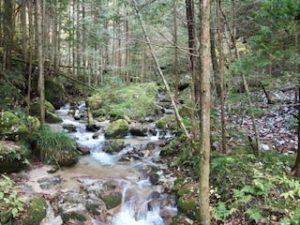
(56, 147)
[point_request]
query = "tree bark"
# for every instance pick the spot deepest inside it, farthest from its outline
(39, 14)
(176, 69)
(205, 107)
(296, 168)
(8, 33)
(221, 74)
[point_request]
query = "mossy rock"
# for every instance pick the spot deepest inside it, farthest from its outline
(36, 212)
(52, 118)
(56, 148)
(55, 92)
(13, 157)
(167, 122)
(32, 123)
(95, 102)
(112, 200)
(113, 145)
(188, 206)
(11, 126)
(35, 108)
(117, 129)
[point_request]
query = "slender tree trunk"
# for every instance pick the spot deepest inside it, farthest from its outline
(296, 168)
(178, 117)
(221, 74)
(192, 49)
(127, 51)
(23, 29)
(205, 105)
(177, 78)
(30, 53)
(39, 13)
(8, 33)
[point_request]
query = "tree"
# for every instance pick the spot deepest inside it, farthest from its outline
(41, 84)
(204, 76)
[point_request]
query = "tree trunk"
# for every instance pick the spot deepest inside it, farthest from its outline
(176, 72)
(23, 29)
(30, 53)
(205, 105)
(296, 168)
(8, 33)
(39, 14)
(221, 74)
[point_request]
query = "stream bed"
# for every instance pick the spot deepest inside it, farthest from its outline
(130, 187)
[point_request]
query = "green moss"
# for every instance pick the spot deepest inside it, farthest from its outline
(52, 118)
(11, 125)
(36, 211)
(56, 148)
(114, 145)
(117, 129)
(188, 207)
(13, 157)
(168, 121)
(55, 92)
(112, 200)
(133, 101)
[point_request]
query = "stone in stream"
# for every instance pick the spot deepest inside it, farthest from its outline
(69, 127)
(71, 206)
(138, 129)
(36, 212)
(113, 145)
(117, 129)
(83, 149)
(49, 182)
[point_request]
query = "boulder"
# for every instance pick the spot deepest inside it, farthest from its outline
(95, 205)
(167, 122)
(70, 127)
(52, 118)
(112, 199)
(55, 92)
(117, 129)
(11, 126)
(138, 129)
(113, 145)
(71, 206)
(13, 157)
(49, 182)
(36, 211)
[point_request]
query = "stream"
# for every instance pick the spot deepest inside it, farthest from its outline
(135, 172)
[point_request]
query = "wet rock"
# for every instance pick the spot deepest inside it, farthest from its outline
(52, 118)
(167, 122)
(49, 182)
(153, 131)
(70, 127)
(153, 178)
(149, 119)
(36, 211)
(93, 127)
(117, 129)
(138, 129)
(71, 206)
(113, 145)
(83, 150)
(96, 135)
(13, 157)
(112, 200)
(150, 146)
(95, 205)
(77, 115)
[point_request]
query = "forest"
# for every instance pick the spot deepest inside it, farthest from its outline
(149, 112)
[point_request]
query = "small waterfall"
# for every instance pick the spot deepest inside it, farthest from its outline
(142, 203)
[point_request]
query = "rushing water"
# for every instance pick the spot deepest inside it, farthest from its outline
(135, 208)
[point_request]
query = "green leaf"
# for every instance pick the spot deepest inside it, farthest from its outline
(254, 214)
